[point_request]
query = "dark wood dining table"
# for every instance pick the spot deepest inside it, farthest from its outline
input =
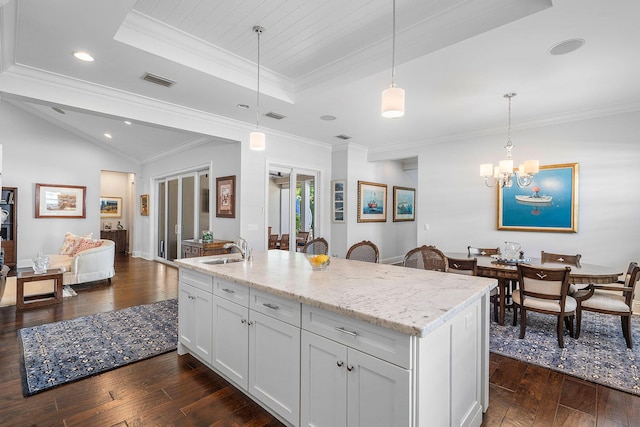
(580, 275)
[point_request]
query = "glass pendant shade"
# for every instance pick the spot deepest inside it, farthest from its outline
(393, 102)
(257, 141)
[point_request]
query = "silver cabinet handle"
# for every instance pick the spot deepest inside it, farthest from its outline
(345, 331)
(340, 363)
(229, 291)
(350, 368)
(271, 306)
(243, 321)
(250, 322)
(192, 297)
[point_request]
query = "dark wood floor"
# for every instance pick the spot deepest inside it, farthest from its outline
(178, 390)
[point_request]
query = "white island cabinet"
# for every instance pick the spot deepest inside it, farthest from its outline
(354, 345)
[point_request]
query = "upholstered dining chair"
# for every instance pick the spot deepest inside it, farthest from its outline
(544, 290)
(301, 239)
(316, 246)
(273, 241)
(615, 299)
(426, 258)
(363, 251)
(472, 250)
(560, 258)
(284, 242)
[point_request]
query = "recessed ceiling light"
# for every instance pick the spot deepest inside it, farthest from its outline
(83, 56)
(108, 135)
(566, 46)
(327, 118)
(243, 106)
(127, 122)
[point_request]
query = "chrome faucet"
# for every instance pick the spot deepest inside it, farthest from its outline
(242, 246)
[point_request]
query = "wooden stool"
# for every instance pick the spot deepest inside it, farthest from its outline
(38, 300)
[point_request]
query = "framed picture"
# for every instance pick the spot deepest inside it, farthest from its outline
(110, 207)
(372, 202)
(549, 203)
(226, 197)
(339, 199)
(60, 201)
(144, 205)
(404, 204)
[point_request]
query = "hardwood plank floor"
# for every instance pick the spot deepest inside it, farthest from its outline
(172, 390)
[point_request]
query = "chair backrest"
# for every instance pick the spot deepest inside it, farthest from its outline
(284, 242)
(631, 279)
(302, 237)
(273, 241)
(427, 258)
(468, 266)
(363, 251)
(316, 246)
(560, 258)
(472, 250)
(544, 283)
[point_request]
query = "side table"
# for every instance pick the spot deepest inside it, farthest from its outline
(38, 300)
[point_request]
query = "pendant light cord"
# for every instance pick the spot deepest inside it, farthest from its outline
(258, 30)
(393, 48)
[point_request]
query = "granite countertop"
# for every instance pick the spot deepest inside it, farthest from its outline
(407, 300)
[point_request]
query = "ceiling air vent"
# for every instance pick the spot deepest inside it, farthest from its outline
(343, 136)
(162, 81)
(275, 115)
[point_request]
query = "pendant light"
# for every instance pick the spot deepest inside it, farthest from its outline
(257, 138)
(393, 98)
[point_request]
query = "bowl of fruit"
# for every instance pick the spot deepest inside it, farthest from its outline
(318, 262)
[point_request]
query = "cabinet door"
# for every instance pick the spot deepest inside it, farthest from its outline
(230, 334)
(274, 365)
(195, 315)
(323, 394)
(378, 392)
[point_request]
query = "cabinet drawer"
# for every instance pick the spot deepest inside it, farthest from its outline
(386, 344)
(197, 279)
(275, 306)
(186, 249)
(231, 291)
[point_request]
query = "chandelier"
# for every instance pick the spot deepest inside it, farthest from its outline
(393, 97)
(257, 138)
(504, 174)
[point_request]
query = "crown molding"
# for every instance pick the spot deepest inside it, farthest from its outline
(8, 19)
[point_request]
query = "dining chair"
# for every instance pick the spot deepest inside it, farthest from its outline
(614, 298)
(284, 242)
(316, 246)
(426, 258)
(467, 266)
(363, 251)
(560, 258)
(273, 241)
(302, 237)
(472, 250)
(544, 290)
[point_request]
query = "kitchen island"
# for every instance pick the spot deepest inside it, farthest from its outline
(355, 344)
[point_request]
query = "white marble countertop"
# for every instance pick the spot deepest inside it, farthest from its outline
(407, 300)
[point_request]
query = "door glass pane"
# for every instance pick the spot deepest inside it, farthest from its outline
(305, 206)
(188, 207)
(203, 214)
(172, 223)
(162, 218)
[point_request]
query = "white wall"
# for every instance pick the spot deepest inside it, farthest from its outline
(461, 211)
(37, 152)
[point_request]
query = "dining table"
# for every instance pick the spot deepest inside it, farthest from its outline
(506, 273)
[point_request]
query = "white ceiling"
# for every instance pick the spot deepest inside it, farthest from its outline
(454, 58)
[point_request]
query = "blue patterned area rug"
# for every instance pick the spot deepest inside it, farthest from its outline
(66, 351)
(600, 354)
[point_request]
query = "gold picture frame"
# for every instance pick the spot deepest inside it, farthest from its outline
(144, 205)
(60, 201)
(110, 207)
(372, 202)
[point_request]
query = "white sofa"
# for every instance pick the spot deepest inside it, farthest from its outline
(86, 266)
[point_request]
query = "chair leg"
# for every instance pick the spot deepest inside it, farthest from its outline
(515, 313)
(626, 330)
(523, 320)
(560, 331)
(568, 322)
(578, 321)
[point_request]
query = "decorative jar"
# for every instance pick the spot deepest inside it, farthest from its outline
(40, 263)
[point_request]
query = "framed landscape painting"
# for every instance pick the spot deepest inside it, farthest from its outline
(110, 207)
(404, 204)
(60, 201)
(372, 202)
(549, 203)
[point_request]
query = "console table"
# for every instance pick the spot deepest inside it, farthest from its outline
(195, 248)
(119, 237)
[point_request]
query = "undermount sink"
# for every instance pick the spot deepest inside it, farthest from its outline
(217, 261)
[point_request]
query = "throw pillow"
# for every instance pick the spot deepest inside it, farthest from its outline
(71, 242)
(86, 244)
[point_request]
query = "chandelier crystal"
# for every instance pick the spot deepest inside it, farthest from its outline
(393, 98)
(504, 175)
(257, 138)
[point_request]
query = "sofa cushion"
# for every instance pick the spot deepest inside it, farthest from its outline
(71, 242)
(86, 244)
(60, 261)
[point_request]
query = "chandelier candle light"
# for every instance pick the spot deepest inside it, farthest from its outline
(257, 138)
(393, 98)
(503, 174)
